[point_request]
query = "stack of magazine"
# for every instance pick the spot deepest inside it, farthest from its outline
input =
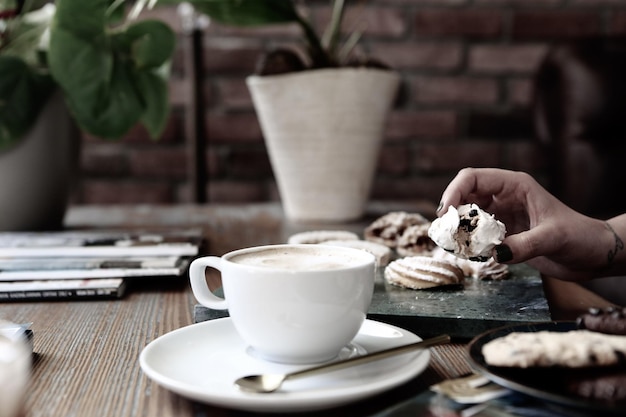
(89, 263)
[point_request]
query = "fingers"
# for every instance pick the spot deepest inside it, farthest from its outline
(523, 246)
(473, 185)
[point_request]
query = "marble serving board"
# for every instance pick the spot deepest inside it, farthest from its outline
(461, 311)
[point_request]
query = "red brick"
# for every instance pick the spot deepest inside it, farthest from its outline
(234, 93)
(506, 58)
(423, 187)
(239, 127)
(287, 30)
(231, 56)
(449, 157)
(102, 192)
(455, 90)
(428, 2)
(421, 124)
(526, 3)
(393, 160)
(138, 134)
(419, 54)
(104, 160)
(236, 191)
(372, 21)
(520, 91)
(555, 24)
(161, 163)
(215, 166)
(466, 22)
(249, 163)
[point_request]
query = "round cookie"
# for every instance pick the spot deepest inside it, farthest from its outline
(488, 270)
(320, 236)
(611, 320)
(388, 228)
(573, 349)
(421, 272)
(381, 252)
(415, 241)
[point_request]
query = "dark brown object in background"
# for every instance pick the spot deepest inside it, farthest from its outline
(195, 117)
(580, 115)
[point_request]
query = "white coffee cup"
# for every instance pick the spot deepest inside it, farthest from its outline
(291, 303)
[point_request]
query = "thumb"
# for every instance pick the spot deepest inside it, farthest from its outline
(522, 246)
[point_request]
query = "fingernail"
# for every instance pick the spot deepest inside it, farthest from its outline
(503, 253)
(440, 206)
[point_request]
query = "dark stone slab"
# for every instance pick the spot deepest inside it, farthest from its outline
(462, 312)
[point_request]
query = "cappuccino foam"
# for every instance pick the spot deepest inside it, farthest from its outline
(310, 258)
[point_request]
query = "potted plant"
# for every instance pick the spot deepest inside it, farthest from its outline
(322, 110)
(75, 63)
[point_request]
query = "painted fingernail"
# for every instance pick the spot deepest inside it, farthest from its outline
(503, 253)
(440, 206)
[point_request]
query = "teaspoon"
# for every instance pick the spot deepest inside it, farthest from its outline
(267, 383)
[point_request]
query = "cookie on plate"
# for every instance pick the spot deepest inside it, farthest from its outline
(421, 272)
(573, 349)
(415, 241)
(319, 236)
(387, 229)
(488, 270)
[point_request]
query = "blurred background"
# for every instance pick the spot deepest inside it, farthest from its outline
(467, 99)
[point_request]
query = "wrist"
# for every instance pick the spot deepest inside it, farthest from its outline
(615, 248)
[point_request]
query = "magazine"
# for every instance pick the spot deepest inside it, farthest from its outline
(62, 289)
(20, 269)
(95, 243)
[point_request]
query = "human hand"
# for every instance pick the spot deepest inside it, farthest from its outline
(541, 230)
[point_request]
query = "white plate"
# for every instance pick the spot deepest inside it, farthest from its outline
(202, 361)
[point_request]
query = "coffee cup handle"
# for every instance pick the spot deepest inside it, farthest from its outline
(199, 286)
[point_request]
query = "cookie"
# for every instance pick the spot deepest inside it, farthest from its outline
(381, 252)
(387, 229)
(420, 272)
(573, 349)
(319, 236)
(468, 232)
(611, 320)
(488, 270)
(415, 241)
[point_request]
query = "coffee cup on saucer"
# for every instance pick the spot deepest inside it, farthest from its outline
(291, 303)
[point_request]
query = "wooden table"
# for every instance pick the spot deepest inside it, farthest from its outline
(86, 353)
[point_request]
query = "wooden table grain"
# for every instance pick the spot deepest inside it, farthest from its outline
(86, 352)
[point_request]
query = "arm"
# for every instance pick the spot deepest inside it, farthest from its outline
(541, 230)
(568, 300)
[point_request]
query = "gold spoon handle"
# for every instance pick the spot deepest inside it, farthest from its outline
(358, 360)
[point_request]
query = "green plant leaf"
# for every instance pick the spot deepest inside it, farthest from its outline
(23, 93)
(248, 12)
(264, 12)
(154, 117)
(151, 43)
(102, 70)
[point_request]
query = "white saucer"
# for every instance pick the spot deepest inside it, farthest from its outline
(202, 361)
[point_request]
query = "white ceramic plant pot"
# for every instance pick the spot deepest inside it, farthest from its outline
(36, 174)
(323, 130)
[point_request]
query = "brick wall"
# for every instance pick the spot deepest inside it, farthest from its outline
(467, 68)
